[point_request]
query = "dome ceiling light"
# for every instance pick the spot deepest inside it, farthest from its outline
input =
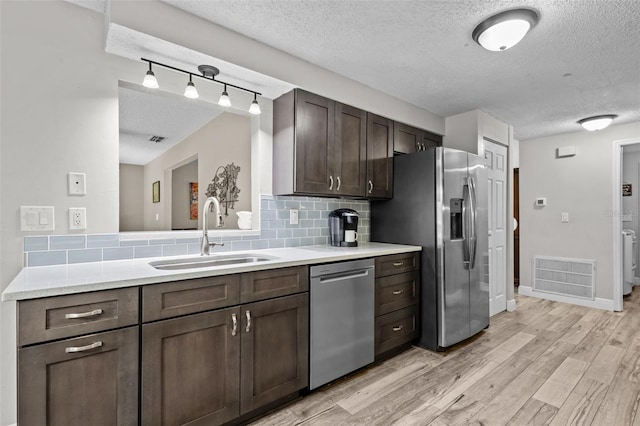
(597, 122)
(505, 29)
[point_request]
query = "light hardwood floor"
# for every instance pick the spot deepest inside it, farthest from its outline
(545, 363)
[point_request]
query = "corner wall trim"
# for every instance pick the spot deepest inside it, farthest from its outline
(511, 305)
(598, 303)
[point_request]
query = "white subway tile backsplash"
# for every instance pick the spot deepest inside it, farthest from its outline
(36, 243)
(175, 249)
(45, 258)
(117, 253)
(147, 251)
(103, 240)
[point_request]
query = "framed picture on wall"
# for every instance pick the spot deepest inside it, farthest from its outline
(156, 191)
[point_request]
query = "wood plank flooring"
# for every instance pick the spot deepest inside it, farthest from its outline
(546, 363)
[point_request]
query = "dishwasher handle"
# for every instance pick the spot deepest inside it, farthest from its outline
(326, 279)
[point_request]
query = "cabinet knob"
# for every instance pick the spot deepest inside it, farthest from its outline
(330, 183)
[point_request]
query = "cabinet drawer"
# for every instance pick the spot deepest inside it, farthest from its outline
(89, 380)
(397, 263)
(160, 301)
(396, 328)
(41, 320)
(262, 285)
(396, 292)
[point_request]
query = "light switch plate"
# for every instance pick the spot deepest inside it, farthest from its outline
(565, 217)
(36, 218)
(293, 217)
(77, 183)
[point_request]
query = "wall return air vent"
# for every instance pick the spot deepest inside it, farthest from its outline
(566, 277)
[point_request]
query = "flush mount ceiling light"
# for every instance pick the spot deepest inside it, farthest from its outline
(598, 122)
(504, 30)
(208, 73)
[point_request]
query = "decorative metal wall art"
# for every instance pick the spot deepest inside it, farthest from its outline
(223, 186)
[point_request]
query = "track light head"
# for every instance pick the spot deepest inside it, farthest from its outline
(190, 91)
(255, 108)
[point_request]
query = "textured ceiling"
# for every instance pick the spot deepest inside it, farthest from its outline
(144, 113)
(582, 59)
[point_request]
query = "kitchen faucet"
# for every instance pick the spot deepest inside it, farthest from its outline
(206, 245)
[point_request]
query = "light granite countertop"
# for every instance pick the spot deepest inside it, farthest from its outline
(45, 281)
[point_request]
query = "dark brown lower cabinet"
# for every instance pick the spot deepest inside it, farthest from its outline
(275, 350)
(191, 369)
(89, 380)
(209, 368)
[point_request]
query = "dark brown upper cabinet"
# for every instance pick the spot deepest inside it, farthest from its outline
(379, 157)
(408, 139)
(319, 146)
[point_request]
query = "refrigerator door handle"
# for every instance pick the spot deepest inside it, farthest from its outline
(473, 244)
(466, 226)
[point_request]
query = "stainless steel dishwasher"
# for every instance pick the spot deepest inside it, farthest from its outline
(342, 319)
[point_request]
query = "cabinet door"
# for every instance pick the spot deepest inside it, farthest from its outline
(90, 380)
(348, 164)
(379, 157)
(314, 125)
(431, 140)
(407, 139)
(190, 369)
(275, 350)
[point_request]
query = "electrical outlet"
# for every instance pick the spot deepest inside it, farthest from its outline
(293, 217)
(78, 218)
(565, 217)
(77, 183)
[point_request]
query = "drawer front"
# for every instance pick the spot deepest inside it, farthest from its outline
(262, 285)
(89, 380)
(168, 300)
(396, 292)
(396, 328)
(397, 263)
(41, 320)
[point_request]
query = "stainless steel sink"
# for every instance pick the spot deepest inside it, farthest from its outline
(210, 261)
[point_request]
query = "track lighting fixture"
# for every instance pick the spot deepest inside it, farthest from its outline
(224, 100)
(598, 122)
(208, 73)
(254, 108)
(150, 80)
(190, 91)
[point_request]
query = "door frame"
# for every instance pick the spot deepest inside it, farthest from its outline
(616, 217)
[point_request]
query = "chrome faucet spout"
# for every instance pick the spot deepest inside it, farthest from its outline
(206, 245)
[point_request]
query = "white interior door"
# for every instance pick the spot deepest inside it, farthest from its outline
(496, 156)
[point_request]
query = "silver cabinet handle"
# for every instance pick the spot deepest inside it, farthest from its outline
(397, 264)
(248, 329)
(418, 147)
(397, 292)
(397, 328)
(330, 183)
(339, 183)
(74, 349)
(370, 187)
(234, 328)
(89, 314)
(424, 148)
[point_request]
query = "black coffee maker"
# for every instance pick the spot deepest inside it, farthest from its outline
(343, 228)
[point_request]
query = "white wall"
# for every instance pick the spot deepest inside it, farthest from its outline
(131, 202)
(65, 117)
(225, 139)
(181, 178)
(580, 185)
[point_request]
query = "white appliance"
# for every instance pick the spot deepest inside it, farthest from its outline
(629, 250)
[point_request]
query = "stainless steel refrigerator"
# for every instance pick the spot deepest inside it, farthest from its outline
(440, 203)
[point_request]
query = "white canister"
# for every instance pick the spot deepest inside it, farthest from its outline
(244, 220)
